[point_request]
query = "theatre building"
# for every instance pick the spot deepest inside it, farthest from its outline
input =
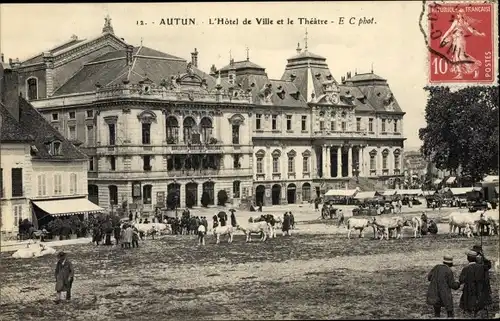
(152, 123)
(42, 174)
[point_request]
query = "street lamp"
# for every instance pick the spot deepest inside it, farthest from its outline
(356, 171)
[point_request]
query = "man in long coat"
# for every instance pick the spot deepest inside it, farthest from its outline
(285, 227)
(473, 277)
(481, 259)
(64, 274)
(442, 281)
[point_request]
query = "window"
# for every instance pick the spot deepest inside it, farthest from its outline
(91, 164)
(112, 162)
(358, 124)
(236, 161)
(90, 113)
(370, 125)
(146, 134)
(189, 125)
(276, 164)
(72, 115)
(90, 135)
(147, 162)
(55, 117)
(274, 122)
(332, 126)
(236, 134)
(260, 165)
(57, 184)
(304, 123)
(258, 121)
(56, 149)
(172, 130)
(383, 125)
(147, 192)
(112, 134)
(289, 122)
(72, 132)
(321, 125)
(373, 160)
(113, 194)
(42, 186)
(18, 214)
(17, 182)
(305, 164)
(291, 164)
(236, 189)
(206, 129)
(396, 161)
(73, 184)
(395, 125)
(384, 161)
(32, 89)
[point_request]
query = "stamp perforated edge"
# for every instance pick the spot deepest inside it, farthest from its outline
(424, 27)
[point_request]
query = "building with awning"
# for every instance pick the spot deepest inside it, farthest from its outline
(68, 206)
(365, 195)
(341, 192)
(451, 180)
(389, 192)
(428, 193)
(409, 192)
(461, 191)
(438, 181)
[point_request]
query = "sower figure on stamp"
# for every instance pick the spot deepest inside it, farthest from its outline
(442, 281)
(64, 275)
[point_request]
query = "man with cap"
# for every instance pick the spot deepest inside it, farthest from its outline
(481, 259)
(473, 277)
(64, 277)
(442, 281)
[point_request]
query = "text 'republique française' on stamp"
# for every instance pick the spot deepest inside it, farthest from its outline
(460, 39)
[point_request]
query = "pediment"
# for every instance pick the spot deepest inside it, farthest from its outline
(147, 116)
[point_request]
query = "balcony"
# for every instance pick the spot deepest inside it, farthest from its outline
(174, 174)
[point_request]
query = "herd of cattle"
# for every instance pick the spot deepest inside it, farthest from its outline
(471, 223)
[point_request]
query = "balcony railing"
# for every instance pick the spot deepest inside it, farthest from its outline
(179, 174)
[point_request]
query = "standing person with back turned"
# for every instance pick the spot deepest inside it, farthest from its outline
(64, 274)
(439, 291)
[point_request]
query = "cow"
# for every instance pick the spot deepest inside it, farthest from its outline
(33, 250)
(269, 218)
(357, 224)
(262, 228)
(151, 229)
(416, 224)
(467, 221)
(491, 217)
(224, 230)
(388, 223)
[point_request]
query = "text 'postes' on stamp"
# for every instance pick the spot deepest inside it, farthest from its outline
(460, 41)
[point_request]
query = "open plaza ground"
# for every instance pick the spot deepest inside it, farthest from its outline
(315, 273)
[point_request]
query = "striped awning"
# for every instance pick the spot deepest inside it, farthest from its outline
(67, 207)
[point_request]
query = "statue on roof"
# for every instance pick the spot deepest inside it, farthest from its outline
(108, 28)
(189, 69)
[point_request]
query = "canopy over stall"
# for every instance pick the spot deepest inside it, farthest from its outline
(410, 192)
(365, 195)
(66, 207)
(342, 192)
(460, 190)
(428, 193)
(490, 179)
(451, 180)
(438, 181)
(389, 192)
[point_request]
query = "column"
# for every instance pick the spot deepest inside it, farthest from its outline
(361, 162)
(349, 161)
(339, 162)
(328, 160)
(323, 161)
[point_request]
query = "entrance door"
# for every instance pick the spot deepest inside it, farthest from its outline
(276, 194)
(291, 192)
(260, 191)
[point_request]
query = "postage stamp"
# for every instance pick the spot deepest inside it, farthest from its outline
(461, 42)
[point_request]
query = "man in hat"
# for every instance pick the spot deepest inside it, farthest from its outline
(64, 277)
(473, 277)
(482, 260)
(442, 281)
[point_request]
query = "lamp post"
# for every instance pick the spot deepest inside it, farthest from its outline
(356, 171)
(176, 199)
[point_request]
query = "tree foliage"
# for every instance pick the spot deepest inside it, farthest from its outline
(462, 130)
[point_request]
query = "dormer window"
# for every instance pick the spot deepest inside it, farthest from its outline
(55, 117)
(32, 88)
(54, 148)
(146, 88)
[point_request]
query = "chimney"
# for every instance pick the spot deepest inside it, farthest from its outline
(130, 58)
(10, 92)
(194, 58)
(342, 79)
(298, 48)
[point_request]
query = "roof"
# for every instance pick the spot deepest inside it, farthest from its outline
(11, 130)
(365, 77)
(246, 64)
(54, 51)
(112, 69)
(306, 54)
(42, 131)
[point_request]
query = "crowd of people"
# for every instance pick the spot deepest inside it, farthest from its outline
(476, 291)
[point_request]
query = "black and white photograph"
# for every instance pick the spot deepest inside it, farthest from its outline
(249, 160)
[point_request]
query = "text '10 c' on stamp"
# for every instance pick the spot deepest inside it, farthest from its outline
(461, 43)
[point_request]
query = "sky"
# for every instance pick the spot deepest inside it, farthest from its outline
(390, 41)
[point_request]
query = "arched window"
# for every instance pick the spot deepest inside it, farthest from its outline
(236, 189)
(276, 161)
(72, 184)
(32, 88)
(188, 125)
(206, 129)
(373, 160)
(397, 159)
(305, 161)
(113, 194)
(291, 161)
(172, 130)
(385, 155)
(306, 192)
(260, 161)
(147, 192)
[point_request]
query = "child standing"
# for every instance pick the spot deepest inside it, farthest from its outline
(201, 234)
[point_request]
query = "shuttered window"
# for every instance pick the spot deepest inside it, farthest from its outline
(17, 182)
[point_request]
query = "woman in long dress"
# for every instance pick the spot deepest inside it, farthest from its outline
(455, 36)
